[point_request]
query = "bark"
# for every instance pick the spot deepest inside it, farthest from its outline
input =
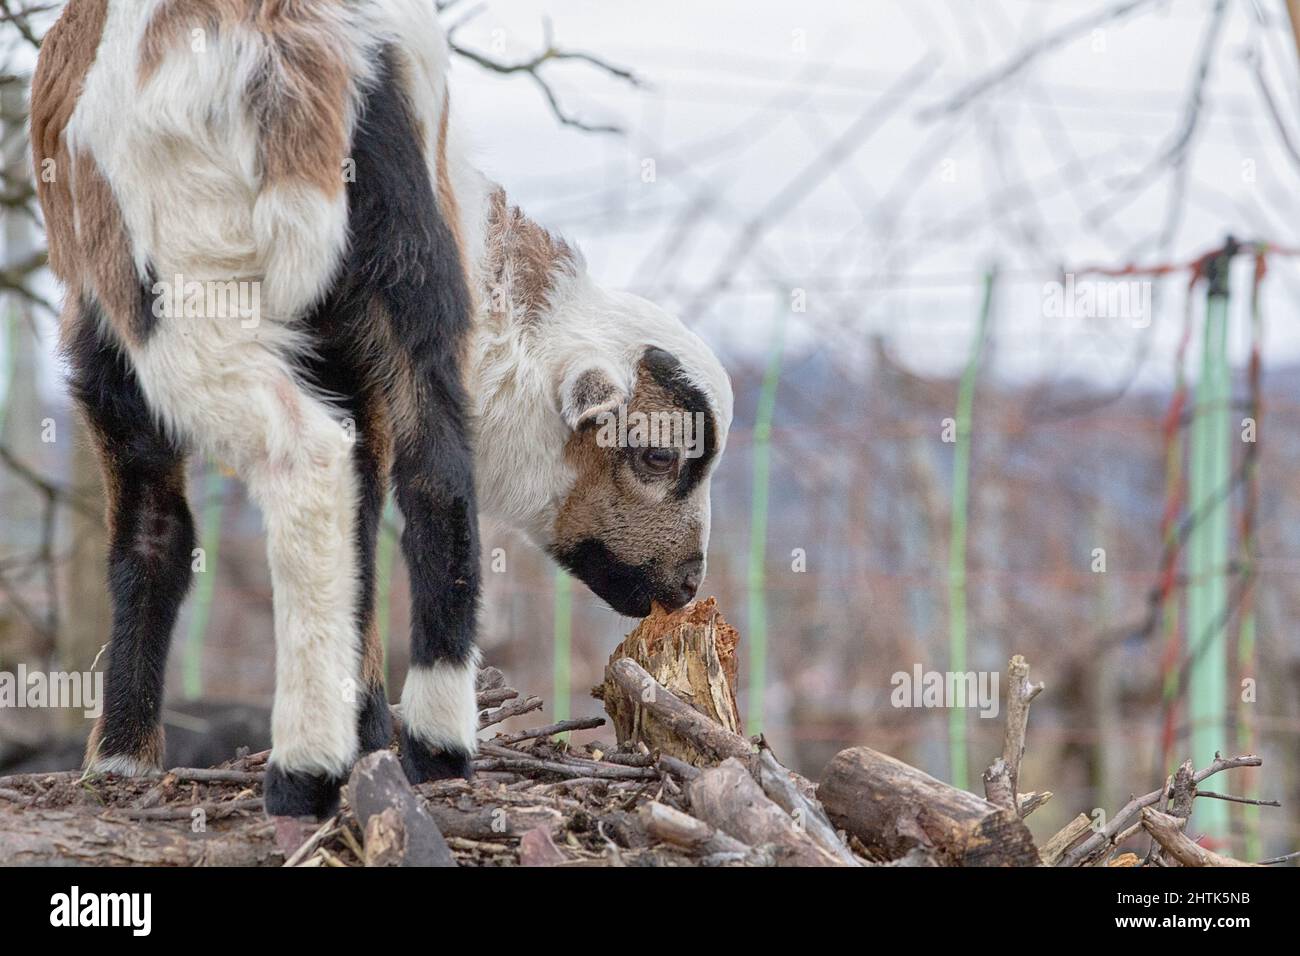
(1060, 842)
(1167, 830)
(692, 654)
(727, 798)
(662, 721)
(390, 814)
(84, 836)
(892, 808)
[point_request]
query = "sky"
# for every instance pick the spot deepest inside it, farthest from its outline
(1062, 166)
(818, 131)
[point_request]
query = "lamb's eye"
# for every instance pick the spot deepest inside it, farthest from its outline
(658, 461)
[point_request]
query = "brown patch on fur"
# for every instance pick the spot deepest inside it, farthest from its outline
(301, 95)
(640, 523)
(378, 435)
(372, 655)
(105, 250)
(393, 376)
(104, 453)
(67, 54)
(523, 259)
(378, 439)
(302, 87)
(172, 23)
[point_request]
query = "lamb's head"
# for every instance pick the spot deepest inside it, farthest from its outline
(648, 421)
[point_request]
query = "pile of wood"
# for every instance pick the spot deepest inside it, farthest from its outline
(680, 785)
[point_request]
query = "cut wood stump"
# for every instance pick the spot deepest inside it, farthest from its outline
(892, 808)
(692, 654)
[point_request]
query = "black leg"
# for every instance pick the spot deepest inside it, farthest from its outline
(408, 268)
(151, 539)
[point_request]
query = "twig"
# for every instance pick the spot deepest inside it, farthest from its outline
(1168, 832)
(512, 709)
(550, 730)
(1027, 55)
(1182, 794)
(532, 68)
(214, 775)
(588, 769)
(1287, 857)
(1003, 776)
(312, 842)
(1097, 843)
(1057, 845)
(212, 810)
(1229, 797)
(1029, 802)
(19, 19)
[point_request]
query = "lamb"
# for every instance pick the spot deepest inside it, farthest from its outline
(275, 253)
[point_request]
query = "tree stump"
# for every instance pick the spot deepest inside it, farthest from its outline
(692, 653)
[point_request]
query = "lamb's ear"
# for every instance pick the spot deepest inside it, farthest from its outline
(589, 391)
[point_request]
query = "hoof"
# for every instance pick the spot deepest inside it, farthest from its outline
(123, 765)
(300, 794)
(423, 763)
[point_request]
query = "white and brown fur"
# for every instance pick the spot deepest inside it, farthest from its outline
(408, 314)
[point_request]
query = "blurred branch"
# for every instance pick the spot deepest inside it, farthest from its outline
(14, 279)
(808, 178)
(974, 90)
(19, 19)
(533, 69)
(49, 489)
(1279, 124)
(1175, 154)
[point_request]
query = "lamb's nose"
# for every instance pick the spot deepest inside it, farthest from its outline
(688, 580)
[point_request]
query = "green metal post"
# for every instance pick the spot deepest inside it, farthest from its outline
(563, 629)
(957, 539)
(1207, 546)
(757, 597)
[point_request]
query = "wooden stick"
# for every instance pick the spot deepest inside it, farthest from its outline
(605, 771)
(213, 811)
(892, 807)
(511, 709)
(1064, 838)
(1167, 830)
(313, 841)
(215, 775)
(1231, 799)
(677, 768)
(1096, 844)
(681, 829)
(550, 730)
(1029, 802)
(727, 798)
(1002, 778)
(1286, 857)
(1182, 793)
(807, 814)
